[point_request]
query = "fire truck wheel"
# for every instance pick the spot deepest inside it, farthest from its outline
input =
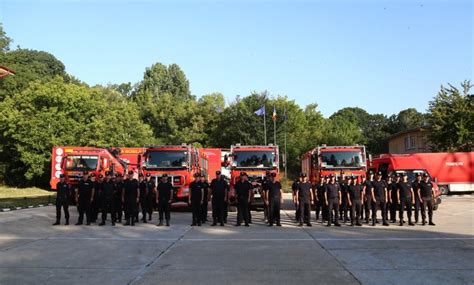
(444, 190)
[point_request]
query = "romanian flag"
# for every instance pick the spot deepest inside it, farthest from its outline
(274, 115)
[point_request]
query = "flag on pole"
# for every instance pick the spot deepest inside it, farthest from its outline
(260, 112)
(274, 116)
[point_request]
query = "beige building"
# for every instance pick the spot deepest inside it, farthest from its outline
(409, 141)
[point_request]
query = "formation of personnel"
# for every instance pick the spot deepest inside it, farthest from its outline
(356, 196)
(349, 199)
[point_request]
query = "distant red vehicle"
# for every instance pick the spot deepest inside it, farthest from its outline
(210, 161)
(179, 162)
(326, 160)
(255, 160)
(453, 172)
(390, 164)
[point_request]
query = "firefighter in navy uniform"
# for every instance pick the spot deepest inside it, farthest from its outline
(107, 195)
(63, 195)
(151, 197)
(304, 197)
(264, 192)
(362, 181)
(405, 199)
(319, 198)
(164, 195)
(379, 199)
(355, 195)
(218, 197)
(84, 197)
(343, 209)
(205, 200)
(393, 194)
(416, 187)
(95, 205)
(275, 199)
(144, 191)
(294, 188)
(426, 194)
(118, 197)
(196, 196)
(226, 203)
(243, 189)
(368, 186)
(333, 200)
(130, 198)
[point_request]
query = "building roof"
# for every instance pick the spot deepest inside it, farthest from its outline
(5, 71)
(412, 130)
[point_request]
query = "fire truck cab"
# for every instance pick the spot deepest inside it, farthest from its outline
(255, 160)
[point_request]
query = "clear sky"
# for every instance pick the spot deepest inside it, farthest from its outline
(383, 56)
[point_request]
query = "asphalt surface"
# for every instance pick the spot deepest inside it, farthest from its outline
(34, 252)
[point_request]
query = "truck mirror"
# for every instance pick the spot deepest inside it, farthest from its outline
(435, 179)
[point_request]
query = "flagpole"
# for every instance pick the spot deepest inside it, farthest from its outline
(274, 127)
(286, 154)
(265, 125)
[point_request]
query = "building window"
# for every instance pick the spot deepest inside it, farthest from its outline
(410, 143)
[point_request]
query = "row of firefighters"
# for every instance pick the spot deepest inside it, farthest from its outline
(332, 200)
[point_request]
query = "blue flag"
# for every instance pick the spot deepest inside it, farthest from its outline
(260, 112)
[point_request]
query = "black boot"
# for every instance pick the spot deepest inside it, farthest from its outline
(167, 223)
(55, 224)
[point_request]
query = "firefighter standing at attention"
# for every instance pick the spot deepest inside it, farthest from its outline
(84, 197)
(63, 196)
(164, 195)
(219, 196)
(196, 196)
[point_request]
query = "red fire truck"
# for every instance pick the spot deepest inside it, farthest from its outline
(179, 162)
(452, 172)
(326, 160)
(255, 160)
(73, 160)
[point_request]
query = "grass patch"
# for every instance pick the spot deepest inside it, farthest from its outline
(11, 197)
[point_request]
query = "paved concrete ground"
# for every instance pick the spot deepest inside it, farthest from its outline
(34, 252)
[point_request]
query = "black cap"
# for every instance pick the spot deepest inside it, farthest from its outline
(196, 174)
(101, 176)
(218, 172)
(243, 174)
(202, 175)
(118, 175)
(425, 175)
(140, 175)
(164, 175)
(418, 174)
(404, 174)
(130, 172)
(353, 177)
(61, 175)
(148, 175)
(108, 173)
(326, 176)
(85, 172)
(92, 175)
(331, 175)
(379, 173)
(371, 172)
(302, 174)
(273, 174)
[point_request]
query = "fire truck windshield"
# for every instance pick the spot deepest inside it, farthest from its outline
(166, 159)
(342, 159)
(81, 162)
(254, 159)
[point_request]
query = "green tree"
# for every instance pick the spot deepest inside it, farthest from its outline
(5, 41)
(58, 113)
(406, 119)
(451, 116)
(29, 65)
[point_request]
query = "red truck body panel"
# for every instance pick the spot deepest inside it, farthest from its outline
(210, 161)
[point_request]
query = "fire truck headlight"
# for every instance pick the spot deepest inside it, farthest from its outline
(185, 191)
